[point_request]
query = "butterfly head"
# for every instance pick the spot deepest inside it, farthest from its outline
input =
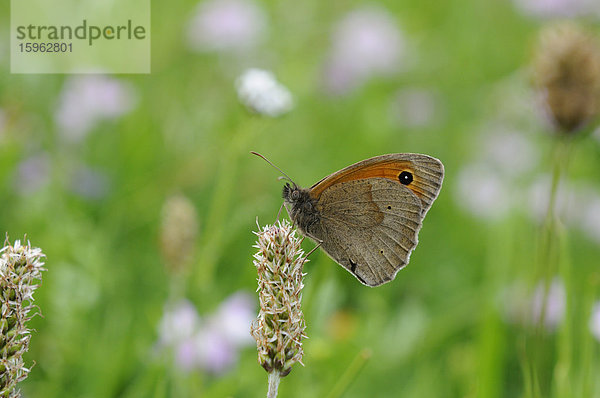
(297, 201)
(287, 192)
(291, 193)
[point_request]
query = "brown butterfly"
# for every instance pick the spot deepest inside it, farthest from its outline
(367, 216)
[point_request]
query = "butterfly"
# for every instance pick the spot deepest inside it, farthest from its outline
(367, 216)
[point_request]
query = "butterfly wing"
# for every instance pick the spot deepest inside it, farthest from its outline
(369, 226)
(426, 172)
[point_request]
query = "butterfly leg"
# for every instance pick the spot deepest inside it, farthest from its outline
(279, 212)
(314, 248)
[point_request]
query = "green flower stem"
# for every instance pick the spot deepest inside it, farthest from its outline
(526, 368)
(587, 375)
(562, 381)
(357, 364)
(551, 250)
(492, 333)
(220, 205)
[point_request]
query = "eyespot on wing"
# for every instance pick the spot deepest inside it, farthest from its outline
(422, 174)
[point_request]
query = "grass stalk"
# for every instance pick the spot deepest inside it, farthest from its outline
(550, 252)
(220, 204)
(350, 374)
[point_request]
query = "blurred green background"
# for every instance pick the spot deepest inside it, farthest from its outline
(87, 163)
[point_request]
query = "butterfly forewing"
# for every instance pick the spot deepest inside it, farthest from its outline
(424, 178)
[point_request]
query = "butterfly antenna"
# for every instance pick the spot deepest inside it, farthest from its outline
(286, 177)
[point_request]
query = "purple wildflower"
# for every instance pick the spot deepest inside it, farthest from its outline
(87, 100)
(226, 25)
(32, 174)
(365, 44)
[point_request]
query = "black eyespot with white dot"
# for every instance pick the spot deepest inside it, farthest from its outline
(405, 177)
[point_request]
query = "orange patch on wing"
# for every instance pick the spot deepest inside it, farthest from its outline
(389, 169)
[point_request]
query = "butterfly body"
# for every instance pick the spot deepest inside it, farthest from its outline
(302, 210)
(367, 216)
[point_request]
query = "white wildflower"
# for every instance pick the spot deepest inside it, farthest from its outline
(258, 90)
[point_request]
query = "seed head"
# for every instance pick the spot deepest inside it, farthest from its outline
(178, 232)
(567, 71)
(21, 269)
(279, 328)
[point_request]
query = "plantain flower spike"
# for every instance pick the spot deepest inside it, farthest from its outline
(567, 72)
(279, 328)
(21, 269)
(178, 232)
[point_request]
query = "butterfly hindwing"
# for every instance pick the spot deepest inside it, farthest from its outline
(369, 226)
